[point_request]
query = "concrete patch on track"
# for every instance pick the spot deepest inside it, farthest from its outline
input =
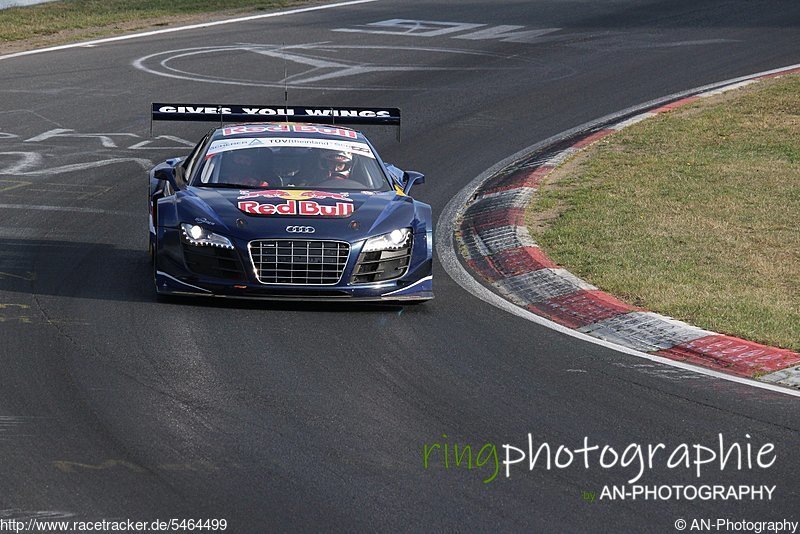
(487, 226)
(24, 314)
(788, 377)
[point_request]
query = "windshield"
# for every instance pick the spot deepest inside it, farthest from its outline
(302, 162)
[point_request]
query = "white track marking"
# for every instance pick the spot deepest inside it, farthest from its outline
(147, 144)
(89, 44)
(25, 160)
(508, 34)
(144, 163)
(104, 138)
(308, 55)
(417, 28)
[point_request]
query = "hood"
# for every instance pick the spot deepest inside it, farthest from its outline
(345, 215)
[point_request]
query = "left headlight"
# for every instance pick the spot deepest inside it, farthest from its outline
(199, 236)
(394, 240)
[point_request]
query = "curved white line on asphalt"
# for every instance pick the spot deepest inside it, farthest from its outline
(345, 69)
(445, 248)
(183, 28)
(142, 162)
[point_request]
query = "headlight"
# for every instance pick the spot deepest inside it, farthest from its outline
(394, 240)
(199, 236)
(384, 257)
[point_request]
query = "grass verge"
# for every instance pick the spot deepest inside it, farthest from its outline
(75, 20)
(693, 213)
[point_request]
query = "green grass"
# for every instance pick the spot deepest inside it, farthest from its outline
(78, 19)
(694, 214)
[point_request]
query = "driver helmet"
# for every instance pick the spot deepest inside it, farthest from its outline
(245, 170)
(287, 163)
(243, 160)
(337, 163)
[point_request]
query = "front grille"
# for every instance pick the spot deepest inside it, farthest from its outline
(285, 261)
(213, 261)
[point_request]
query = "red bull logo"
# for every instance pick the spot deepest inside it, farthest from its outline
(294, 195)
(301, 208)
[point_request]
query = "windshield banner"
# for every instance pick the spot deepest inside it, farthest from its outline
(225, 145)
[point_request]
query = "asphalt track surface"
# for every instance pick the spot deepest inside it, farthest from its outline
(284, 416)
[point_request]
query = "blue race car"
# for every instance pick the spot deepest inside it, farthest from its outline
(271, 209)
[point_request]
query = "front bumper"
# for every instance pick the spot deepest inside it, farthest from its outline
(174, 275)
(422, 289)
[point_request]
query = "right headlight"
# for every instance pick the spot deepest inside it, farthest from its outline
(201, 237)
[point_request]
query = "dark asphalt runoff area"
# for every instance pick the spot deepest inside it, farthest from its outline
(291, 417)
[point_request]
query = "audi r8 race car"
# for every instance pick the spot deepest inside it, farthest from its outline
(266, 207)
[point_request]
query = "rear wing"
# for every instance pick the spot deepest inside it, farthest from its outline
(238, 113)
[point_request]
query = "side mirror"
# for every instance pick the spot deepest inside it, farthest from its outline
(410, 178)
(166, 172)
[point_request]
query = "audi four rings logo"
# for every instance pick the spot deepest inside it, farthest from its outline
(300, 229)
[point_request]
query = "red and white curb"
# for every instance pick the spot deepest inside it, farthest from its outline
(491, 236)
